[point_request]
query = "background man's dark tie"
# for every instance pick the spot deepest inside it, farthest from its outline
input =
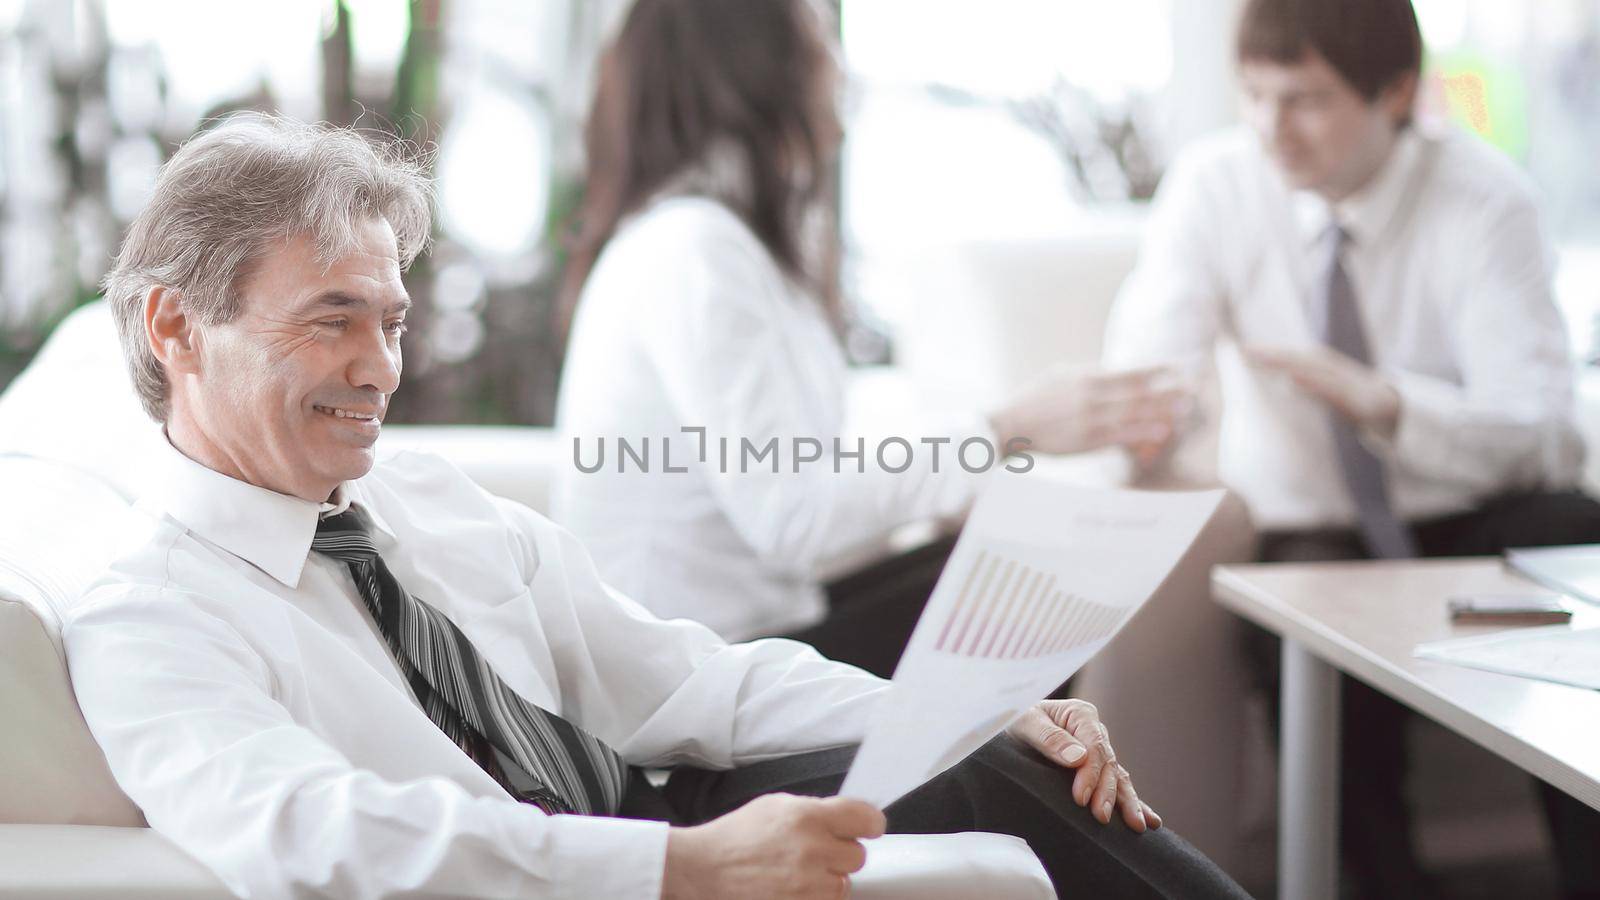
(1385, 535)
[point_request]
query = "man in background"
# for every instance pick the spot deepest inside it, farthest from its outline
(1377, 301)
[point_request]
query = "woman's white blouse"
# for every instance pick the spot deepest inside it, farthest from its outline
(688, 323)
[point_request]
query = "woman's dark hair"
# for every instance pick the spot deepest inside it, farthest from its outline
(684, 76)
(1370, 43)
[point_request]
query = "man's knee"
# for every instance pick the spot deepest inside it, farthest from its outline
(1005, 771)
(1013, 789)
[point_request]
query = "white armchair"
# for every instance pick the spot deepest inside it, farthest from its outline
(73, 447)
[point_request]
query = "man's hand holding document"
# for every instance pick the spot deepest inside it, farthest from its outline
(1043, 576)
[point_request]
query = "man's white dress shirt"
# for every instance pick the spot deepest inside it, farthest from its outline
(246, 703)
(688, 322)
(1452, 273)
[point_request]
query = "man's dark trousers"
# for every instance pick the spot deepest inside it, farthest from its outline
(1004, 787)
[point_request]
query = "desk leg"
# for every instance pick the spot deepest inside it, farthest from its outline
(1308, 785)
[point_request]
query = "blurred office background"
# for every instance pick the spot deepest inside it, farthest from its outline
(998, 162)
(1012, 123)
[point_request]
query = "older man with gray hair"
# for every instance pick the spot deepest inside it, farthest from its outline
(323, 676)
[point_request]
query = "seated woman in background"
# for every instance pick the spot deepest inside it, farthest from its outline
(706, 337)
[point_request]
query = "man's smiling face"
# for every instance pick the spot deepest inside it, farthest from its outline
(1320, 133)
(290, 394)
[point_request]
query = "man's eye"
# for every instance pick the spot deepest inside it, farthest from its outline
(339, 324)
(396, 328)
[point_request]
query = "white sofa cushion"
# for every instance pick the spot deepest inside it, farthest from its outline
(51, 770)
(43, 861)
(977, 320)
(75, 404)
(88, 863)
(513, 461)
(951, 867)
(59, 532)
(57, 536)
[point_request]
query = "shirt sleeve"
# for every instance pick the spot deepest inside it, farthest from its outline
(731, 365)
(1171, 308)
(184, 709)
(1507, 424)
(673, 692)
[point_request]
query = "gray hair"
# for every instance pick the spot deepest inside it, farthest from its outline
(230, 194)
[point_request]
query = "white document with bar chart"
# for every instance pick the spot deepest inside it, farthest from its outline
(1044, 574)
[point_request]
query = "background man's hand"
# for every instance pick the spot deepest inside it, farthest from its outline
(1069, 732)
(1071, 410)
(1355, 390)
(778, 845)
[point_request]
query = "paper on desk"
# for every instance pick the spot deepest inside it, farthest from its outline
(1558, 653)
(1042, 577)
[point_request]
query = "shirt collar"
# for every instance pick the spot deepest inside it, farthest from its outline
(1367, 212)
(269, 530)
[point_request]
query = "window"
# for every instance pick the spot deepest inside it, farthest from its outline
(1000, 118)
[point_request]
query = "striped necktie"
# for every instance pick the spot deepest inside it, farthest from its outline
(539, 757)
(1382, 531)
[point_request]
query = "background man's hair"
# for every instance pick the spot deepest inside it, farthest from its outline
(1370, 43)
(235, 192)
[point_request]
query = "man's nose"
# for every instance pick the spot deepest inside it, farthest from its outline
(376, 364)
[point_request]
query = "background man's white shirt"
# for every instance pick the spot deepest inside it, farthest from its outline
(246, 703)
(1453, 276)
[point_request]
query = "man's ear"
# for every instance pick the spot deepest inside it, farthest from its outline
(1399, 99)
(170, 330)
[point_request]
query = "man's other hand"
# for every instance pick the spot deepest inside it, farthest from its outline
(1070, 734)
(1356, 391)
(1072, 410)
(778, 845)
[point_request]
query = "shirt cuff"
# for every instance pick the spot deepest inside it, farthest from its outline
(1428, 416)
(593, 856)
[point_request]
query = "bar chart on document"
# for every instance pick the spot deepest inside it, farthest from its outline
(1010, 610)
(1043, 576)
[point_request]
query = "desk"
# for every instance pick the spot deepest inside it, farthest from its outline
(1363, 618)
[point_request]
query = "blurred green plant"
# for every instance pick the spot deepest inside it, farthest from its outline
(509, 377)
